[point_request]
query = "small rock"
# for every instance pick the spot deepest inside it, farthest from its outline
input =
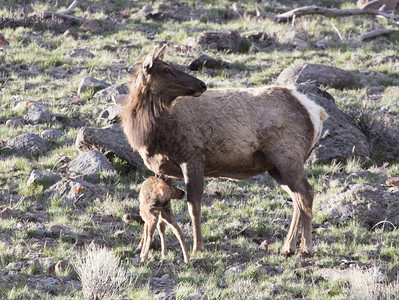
(21, 106)
(58, 268)
(58, 72)
(27, 144)
(78, 101)
(194, 296)
(43, 177)
(205, 61)
(4, 72)
(235, 11)
(148, 13)
(51, 134)
(92, 26)
(225, 40)
(323, 43)
(120, 99)
(264, 246)
(89, 82)
(110, 114)
(349, 235)
(37, 116)
(8, 213)
(130, 218)
(40, 231)
(57, 229)
(81, 53)
(90, 164)
(36, 106)
(235, 269)
(393, 181)
(269, 269)
(17, 122)
(70, 32)
(110, 93)
(299, 43)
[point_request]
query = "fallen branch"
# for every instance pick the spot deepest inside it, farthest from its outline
(373, 34)
(64, 14)
(327, 12)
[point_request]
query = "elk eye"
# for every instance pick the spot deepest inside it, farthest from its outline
(166, 71)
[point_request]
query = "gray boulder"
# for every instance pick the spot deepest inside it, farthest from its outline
(340, 138)
(205, 61)
(112, 93)
(90, 83)
(90, 165)
(369, 203)
(81, 53)
(51, 134)
(44, 177)
(225, 40)
(27, 144)
(37, 116)
(75, 192)
(319, 75)
(110, 114)
(110, 141)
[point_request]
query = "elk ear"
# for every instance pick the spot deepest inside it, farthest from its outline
(147, 64)
(161, 52)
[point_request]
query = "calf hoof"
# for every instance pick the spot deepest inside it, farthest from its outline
(304, 254)
(137, 251)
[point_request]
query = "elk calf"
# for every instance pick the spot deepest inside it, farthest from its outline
(155, 209)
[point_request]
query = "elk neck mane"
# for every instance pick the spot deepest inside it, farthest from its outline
(143, 112)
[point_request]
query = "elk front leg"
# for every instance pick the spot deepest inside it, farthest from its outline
(194, 180)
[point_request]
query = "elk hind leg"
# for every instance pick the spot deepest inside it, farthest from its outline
(293, 181)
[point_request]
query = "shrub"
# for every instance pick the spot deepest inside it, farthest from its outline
(101, 273)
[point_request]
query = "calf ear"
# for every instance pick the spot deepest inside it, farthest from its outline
(147, 64)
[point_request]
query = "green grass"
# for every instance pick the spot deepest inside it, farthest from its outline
(236, 216)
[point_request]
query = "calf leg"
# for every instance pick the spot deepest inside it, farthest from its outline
(161, 229)
(149, 232)
(171, 220)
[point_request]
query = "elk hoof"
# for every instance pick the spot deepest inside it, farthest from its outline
(304, 254)
(287, 253)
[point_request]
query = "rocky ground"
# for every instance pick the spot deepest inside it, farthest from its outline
(68, 177)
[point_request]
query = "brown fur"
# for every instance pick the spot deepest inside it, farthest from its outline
(155, 210)
(232, 133)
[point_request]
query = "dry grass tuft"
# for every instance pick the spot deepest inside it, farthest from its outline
(101, 274)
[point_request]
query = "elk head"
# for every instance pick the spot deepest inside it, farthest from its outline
(160, 78)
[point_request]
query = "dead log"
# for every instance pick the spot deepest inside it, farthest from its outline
(66, 14)
(373, 34)
(327, 12)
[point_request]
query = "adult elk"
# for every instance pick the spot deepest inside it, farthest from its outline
(231, 133)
